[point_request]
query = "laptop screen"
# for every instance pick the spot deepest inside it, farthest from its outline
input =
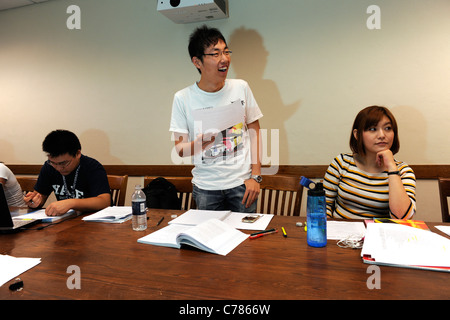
(5, 215)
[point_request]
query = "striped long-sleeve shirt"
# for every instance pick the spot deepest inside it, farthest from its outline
(354, 194)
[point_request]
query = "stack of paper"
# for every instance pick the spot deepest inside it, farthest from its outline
(404, 246)
(111, 215)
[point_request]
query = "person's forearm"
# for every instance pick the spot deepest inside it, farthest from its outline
(92, 204)
(255, 147)
(187, 148)
(399, 200)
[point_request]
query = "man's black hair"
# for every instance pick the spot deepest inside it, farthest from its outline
(60, 142)
(202, 38)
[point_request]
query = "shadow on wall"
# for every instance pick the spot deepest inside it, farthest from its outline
(412, 132)
(249, 62)
(95, 144)
(7, 154)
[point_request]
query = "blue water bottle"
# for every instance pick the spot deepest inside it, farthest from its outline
(316, 217)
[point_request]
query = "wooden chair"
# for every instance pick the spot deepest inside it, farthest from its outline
(27, 183)
(184, 188)
(444, 192)
(118, 186)
(280, 195)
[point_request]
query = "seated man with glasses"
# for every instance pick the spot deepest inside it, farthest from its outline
(79, 182)
(227, 168)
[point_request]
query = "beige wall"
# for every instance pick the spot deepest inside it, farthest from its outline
(312, 64)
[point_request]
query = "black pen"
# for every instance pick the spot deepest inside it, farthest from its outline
(160, 220)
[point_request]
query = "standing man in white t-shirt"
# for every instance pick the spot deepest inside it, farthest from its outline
(227, 168)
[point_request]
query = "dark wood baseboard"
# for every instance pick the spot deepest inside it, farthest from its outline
(429, 171)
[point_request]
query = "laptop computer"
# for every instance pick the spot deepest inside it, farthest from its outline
(7, 224)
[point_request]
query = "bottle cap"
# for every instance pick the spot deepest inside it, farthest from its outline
(306, 182)
(317, 191)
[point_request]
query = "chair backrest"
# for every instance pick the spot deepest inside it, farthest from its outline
(118, 186)
(27, 183)
(184, 188)
(444, 192)
(280, 195)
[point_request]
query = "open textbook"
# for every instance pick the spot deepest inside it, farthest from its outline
(211, 231)
(403, 246)
(212, 236)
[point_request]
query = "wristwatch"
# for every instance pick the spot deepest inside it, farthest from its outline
(256, 178)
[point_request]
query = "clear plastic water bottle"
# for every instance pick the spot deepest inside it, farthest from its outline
(316, 217)
(139, 207)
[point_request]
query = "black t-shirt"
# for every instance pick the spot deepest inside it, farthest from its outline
(91, 180)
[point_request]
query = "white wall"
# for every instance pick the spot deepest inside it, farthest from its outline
(312, 64)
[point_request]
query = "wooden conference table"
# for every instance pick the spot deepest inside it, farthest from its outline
(114, 266)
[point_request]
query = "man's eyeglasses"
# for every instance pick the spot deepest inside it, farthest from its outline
(61, 164)
(217, 54)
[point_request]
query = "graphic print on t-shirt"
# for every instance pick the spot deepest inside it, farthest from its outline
(227, 144)
(62, 194)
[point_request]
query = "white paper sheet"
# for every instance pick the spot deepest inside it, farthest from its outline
(213, 120)
(11, 267)
(194, 217)
(40, 215)
(444, 229)
(338, 230)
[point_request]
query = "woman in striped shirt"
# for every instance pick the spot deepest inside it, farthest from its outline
(370, 183)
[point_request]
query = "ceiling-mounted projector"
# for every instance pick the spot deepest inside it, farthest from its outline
(186, 11)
